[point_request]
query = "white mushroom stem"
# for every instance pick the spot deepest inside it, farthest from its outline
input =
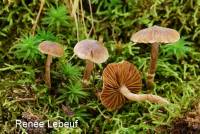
(47, 71)
(142, 97)
(88, 70)
(153, 64)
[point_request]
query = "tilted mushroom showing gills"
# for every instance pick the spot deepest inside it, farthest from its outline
(52, 49)
(155, 35)
(93, 52)
(121, 81)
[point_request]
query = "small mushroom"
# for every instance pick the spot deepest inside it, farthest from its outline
(51, 49)
(121, 81)
(155, 35)
(93, 52)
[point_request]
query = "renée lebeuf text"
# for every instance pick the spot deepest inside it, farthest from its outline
(49, 124)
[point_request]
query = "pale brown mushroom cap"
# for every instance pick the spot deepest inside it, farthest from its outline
(91, 50)
(116, 75)
(51, 48)
(156, 34)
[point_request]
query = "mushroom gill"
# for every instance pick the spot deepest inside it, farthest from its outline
(115, 76)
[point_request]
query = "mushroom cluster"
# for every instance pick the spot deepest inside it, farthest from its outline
(121, 81)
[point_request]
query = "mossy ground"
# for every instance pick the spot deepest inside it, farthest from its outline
(24, 95)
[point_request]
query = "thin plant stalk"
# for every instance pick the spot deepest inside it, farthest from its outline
(92, 20)
(38, 16)
(74, 9)
(69, 5)
(83, 19)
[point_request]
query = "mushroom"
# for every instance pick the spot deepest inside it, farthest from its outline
(51, 49)
(93, 52)
(155, 35)
(121, 81)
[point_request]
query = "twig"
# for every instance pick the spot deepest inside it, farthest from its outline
(69, 6)
(38, 16)
(91, 18)
(25, 99)
(74, 10)
(83, 18)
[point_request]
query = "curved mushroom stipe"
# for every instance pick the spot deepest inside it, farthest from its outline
(142, 97)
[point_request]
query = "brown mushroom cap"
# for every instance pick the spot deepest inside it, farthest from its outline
(156, 34)
(51, 48)
(116, 75)
(91, 50)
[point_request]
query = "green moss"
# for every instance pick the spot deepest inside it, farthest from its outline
(22, 87)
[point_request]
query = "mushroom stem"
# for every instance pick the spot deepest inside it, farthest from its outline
(88, 70)
(142, 97)
(153, 62)
(47, 71)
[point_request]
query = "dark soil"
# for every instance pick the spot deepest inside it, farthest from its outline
(189, 124)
